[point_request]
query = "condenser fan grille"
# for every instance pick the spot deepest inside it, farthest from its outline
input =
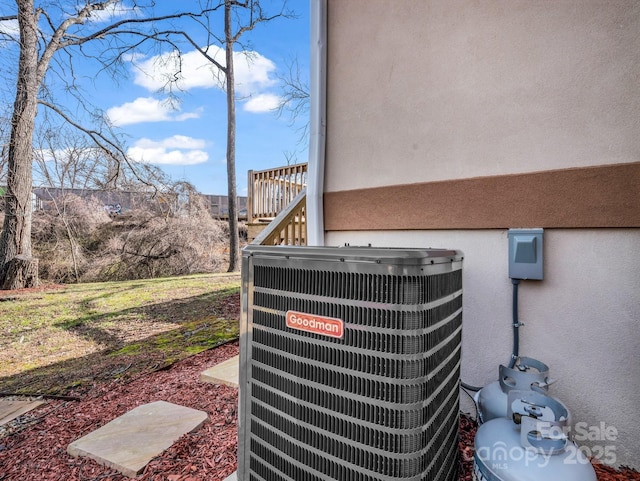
(379, 402)
(357, 286)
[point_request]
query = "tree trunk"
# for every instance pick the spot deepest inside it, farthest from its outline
(16, 233)
(22, 271)
(234, 241)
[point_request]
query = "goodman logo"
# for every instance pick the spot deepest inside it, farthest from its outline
(326, 326)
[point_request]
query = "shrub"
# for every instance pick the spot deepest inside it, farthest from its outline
(77, 240)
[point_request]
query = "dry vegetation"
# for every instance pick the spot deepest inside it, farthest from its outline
(76, 240)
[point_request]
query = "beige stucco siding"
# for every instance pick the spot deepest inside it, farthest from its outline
(430, 90)
(463, 99)
(583, 319)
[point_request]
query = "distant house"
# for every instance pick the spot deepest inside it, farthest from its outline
(116, 201)
(445, 123)
(219, 206)
(108, 199)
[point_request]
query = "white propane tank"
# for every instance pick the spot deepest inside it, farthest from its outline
(531, 445)
(527, 374)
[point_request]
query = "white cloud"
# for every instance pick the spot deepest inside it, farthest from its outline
(156, 72)
(113, 12)
(173, 142)
(189, 115)
(175, 150)
(67, 155)
(132, 56)
(9, 29)
(147, 109)
(252, 71)
(261, 103)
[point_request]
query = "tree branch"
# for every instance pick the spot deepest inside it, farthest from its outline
(196, 46)
(255, 6)
(105, 144)
(56, 42)
(112, 29)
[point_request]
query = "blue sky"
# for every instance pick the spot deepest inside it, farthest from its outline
(187, 139)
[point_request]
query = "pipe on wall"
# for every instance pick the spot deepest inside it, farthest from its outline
(317, 127)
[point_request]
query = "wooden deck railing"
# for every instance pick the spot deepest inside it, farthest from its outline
(270, 191)
(290, 225)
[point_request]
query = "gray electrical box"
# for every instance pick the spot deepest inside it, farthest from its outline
(525, 253)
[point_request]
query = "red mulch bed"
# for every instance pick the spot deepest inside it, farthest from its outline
(39, 451)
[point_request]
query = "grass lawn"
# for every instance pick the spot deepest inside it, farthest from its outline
(62, 339)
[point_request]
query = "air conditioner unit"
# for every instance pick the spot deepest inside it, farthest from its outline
(349, 364)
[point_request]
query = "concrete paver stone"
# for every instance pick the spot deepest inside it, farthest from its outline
(130, 441)
(12, 408)
(226, 373)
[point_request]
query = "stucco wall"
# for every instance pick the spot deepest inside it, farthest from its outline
(582, 319)
(422, 90)
(430, 90)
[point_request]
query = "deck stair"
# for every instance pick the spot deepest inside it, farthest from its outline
(276, 206)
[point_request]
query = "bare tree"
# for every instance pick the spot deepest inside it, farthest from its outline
(295, 97)
(63, 233)
(55, 32)
(66, 163)
(240, 17)
(67, 160)
(5, 127)
(69, 166)
(64, 158)
(45, 30)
